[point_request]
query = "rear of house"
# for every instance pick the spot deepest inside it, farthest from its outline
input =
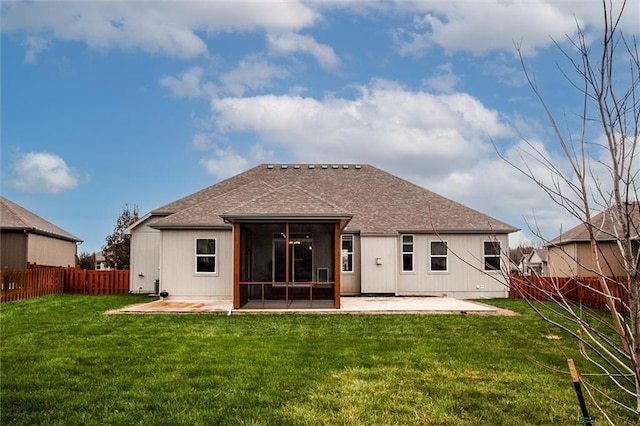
(305, 235)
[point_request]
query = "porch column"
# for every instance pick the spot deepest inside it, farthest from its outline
(236, 266)
(337, 264)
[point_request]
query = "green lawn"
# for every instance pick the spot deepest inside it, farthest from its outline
(64, 362)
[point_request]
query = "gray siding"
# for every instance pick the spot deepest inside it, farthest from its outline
(562, 261)
(178, 275)
(13, 250)
(48, 251)
(379, 264)
(465, 276)
(576, 259)
(145, 257)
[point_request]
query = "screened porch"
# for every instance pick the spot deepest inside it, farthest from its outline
(284, 265)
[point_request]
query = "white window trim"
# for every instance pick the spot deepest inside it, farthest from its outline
(342, 237)
(446, 256)
(412, 252)
(485, 256)
(196, 256)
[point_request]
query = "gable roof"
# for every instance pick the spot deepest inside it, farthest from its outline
(537, 255)
(16, 218)
(605, 229)
(377, 202)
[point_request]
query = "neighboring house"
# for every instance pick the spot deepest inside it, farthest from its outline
(305, 235)
(28, 239)
(535, 262)
(570, 254)
(101, 263)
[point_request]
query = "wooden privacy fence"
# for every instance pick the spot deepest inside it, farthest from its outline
(82, 281)
(583, 290)
(16, 284)
(25, 283)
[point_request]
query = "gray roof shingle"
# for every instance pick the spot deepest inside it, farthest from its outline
(16, 218)
(379, 202)
(605, 230)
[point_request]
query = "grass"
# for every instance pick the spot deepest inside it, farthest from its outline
(63, 362)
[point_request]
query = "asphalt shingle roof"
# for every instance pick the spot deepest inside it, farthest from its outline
(379, 202)
(17, 218)
(604, 224)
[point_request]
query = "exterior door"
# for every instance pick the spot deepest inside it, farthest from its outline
(300, 265)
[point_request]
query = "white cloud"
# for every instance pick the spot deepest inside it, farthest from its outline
(498, 188)
(254, 73)
(202, 141)
(251, 73)
(179, 29)
(413, 130)
(479, 27)
(442, 142)
(189, 85)
(520, 239)
(42, 172)
(34, 46)
(443, 80)
(167, 28)
(226, 162)
(286, 43)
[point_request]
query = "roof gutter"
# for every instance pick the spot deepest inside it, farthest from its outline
(37, 231)
(458, 231)
(191, 226)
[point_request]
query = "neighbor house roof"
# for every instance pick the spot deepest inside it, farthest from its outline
(604, 227)
(538, 255)
(16, 218)
(375, 201)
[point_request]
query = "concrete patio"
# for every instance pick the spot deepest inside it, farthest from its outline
(350, 305)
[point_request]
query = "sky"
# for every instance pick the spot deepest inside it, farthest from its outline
(109, 104)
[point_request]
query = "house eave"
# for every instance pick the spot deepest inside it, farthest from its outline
(36, 231)
(161, 213)
(201, 226)
(457, 231)
(342, 218)
(284, 216)
(579, 240)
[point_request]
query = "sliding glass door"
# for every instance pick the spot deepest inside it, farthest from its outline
(300, 267)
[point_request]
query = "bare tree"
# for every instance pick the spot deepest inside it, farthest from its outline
(599, 183)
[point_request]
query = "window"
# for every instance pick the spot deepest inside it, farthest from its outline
(205, 255)
(347, 253)
(407, 253)
(492, 255)
(438, 256)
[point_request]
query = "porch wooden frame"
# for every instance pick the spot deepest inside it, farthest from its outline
(336, 269)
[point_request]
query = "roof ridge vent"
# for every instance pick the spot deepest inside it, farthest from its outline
(335, 166)
(284, 166)
(269, 166)
(312, 166)
(345, 166)
(324, 166)
(358, 166)
(296, 166)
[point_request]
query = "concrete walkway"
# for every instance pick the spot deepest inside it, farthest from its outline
(360, 304)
